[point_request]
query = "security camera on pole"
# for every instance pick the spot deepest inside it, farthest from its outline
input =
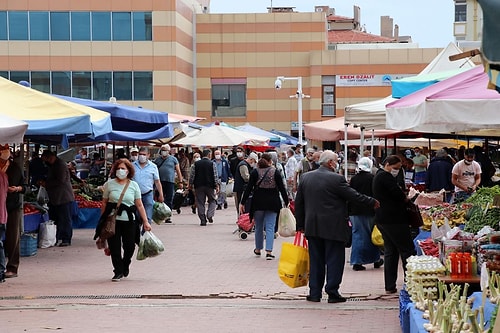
(299, 95)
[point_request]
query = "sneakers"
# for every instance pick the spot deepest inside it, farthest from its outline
(379, 263)
(337, 299)
(391, 291)
(358, 267)
(219, 207)
(117, 277)
(313, 299)
(269, 256)
(210, 219)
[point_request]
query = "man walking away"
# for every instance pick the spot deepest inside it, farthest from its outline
(203, 179)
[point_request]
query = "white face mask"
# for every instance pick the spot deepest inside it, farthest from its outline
(164, 153)
(134, 157)
(467, 162)
(394, 172)
(239, 154)
(196, 159)
(218, 157)
(121, 173)
(142, 158)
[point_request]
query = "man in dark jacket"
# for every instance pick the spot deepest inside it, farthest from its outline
(439, 174)
(321, 211)
(223, 175)
(203, 178)
(241, 177)
(61, 196)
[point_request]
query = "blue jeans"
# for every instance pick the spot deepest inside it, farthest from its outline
(147, 201)
(264, 219)
(168, 193)
(2, 252)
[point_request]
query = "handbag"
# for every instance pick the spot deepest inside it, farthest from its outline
(109, 226)
(286, 223)
(377, 239)
(414, 217)
(293, 266)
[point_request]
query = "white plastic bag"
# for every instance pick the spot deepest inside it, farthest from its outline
(47, 237)
(150, 246)
(42, 197)
(286, 223)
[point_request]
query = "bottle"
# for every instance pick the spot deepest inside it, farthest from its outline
(473, 265)
(460, 264)
(467, 269)
(453, 265)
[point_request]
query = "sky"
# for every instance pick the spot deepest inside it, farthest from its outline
(428, 22)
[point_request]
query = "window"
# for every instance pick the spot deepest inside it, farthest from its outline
(101, 26)
(80, 26)
(122, 85)
(229, 97)
(4, 74)
(20, 76)
(142, 25)
(61, 83)
(143, 86)
(41, 81)
(81, 85)
(460, 12)
(3, 25)
(102, 86)
(18, 25)
(328, 103)
(122, 29)
(59, 26)
(39, 25)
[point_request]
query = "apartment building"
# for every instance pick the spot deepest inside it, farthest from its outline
(177, 56)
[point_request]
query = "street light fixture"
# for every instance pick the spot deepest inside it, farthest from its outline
(299, 95)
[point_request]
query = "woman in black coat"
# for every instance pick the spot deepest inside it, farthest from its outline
(392, 221)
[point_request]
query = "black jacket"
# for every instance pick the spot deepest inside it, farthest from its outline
(391, 197)
(132, 216)
(362, 182)
(16, 178)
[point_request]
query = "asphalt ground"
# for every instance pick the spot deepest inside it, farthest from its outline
(207, 280)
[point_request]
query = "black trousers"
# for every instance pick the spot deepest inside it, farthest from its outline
(125, 233)
(397, 243)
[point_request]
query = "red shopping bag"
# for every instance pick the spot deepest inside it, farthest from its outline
(244, 222)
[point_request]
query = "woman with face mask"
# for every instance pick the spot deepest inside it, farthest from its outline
(130, 216)
(392, 221)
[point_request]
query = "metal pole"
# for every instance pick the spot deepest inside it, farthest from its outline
(299, 102)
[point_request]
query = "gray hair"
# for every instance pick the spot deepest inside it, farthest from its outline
(144, 149)
(441, 153)
(274, 156)
(327, 156)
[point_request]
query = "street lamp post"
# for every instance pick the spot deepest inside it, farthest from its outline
(299, 95)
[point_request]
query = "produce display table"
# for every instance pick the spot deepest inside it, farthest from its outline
(86, 218)
(423, 235)
(473, 281)
(416, 322)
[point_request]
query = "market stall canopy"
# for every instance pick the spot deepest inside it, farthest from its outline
(334, 130)
(274, 139)
(11, 130)
(461, 104)
(222, 136)
(408, 143)
(371, 115)
(47, 115)
(289, 140)
(129, 123)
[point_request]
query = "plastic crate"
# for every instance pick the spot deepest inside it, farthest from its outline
(32, 222)
(29, 242)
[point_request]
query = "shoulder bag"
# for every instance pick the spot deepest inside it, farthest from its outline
(108, 229)
(415, 219)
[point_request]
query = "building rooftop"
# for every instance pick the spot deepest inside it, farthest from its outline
(354, 36)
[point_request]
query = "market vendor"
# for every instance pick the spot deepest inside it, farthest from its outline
(466, 176)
